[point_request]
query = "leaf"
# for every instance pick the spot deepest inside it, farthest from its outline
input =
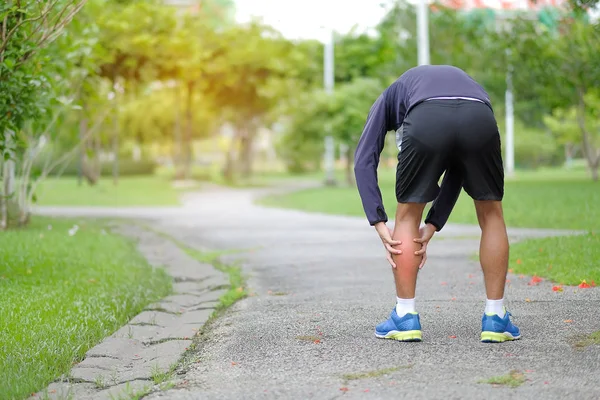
(9, 63)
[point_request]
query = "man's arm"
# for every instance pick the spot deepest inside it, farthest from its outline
(444, 203)
(366, 161)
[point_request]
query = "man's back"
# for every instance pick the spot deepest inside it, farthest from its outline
(432, 81)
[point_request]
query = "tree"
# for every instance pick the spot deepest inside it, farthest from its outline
(351, 104)
(250, 70)
(560, 70)
(131, 37)
(26, 29)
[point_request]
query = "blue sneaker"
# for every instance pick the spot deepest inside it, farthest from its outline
(497, 330)
(405, 329)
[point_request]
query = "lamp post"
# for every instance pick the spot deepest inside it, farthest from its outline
(422, 32)
(328, 80)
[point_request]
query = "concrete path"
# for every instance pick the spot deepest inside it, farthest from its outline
(320, 284)
(140, 356)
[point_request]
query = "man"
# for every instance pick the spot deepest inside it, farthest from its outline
(448, 126)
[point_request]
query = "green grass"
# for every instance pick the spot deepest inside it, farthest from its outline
(373, 374)
(548, 198)
(130, 191)
(566, 200)
(237, 289)
(60, 295)
(566, 259)
(588, 340)
(513, 379)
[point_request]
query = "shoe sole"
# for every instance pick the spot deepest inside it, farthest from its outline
(496, 337)
(402, 336)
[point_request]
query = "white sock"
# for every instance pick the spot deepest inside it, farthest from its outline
(404, 306)
(495, 307)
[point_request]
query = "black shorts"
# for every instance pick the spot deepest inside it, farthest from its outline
(444, 132)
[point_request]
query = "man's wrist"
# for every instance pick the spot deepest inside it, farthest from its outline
(432, 225)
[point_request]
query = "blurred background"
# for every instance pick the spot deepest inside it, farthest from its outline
(131, 102)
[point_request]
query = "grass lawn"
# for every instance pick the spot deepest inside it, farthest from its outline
(531, 200)
(565, 260)
(130, 191)
(60, 295)
(551, 198)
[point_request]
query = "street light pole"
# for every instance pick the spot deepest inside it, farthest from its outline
(510, 119)
(422, 32)
(328, 79)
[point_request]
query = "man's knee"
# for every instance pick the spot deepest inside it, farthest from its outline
(409, 212)
(488, 211)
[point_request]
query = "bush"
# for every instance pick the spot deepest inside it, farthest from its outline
(126, 168)
(533, 147)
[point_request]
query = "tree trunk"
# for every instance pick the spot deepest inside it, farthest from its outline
(349, 164)
(83, 125)
(569, 155)
(229, 167)
(246, 151)
(177, 144)
(8, 175)
(591, 154)
(115, 138)
(3, 203)
(188, 130)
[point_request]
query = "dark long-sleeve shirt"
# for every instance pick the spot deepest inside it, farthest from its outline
(387, 114)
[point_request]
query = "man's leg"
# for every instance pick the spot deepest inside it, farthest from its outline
(481, 155)
(426, 143)
(493, 251)
(408, 220)
(404, 323)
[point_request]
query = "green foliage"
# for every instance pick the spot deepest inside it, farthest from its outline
(130, 192)
(63, 294)
(301, 144)
(25, 78)
(127, 167)
(351, 105)
(152, 117)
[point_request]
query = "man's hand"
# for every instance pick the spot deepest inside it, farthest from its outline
(425, 234)
(385, 234)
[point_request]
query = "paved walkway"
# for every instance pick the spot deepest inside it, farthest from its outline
(320, 284)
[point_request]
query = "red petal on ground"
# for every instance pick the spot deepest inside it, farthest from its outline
(344, 389)
(518, 261)
(568, 321)
(557, 288)
(584, 285)
(452, 336)
(535, 280)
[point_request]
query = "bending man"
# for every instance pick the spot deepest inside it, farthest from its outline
(448, 126)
